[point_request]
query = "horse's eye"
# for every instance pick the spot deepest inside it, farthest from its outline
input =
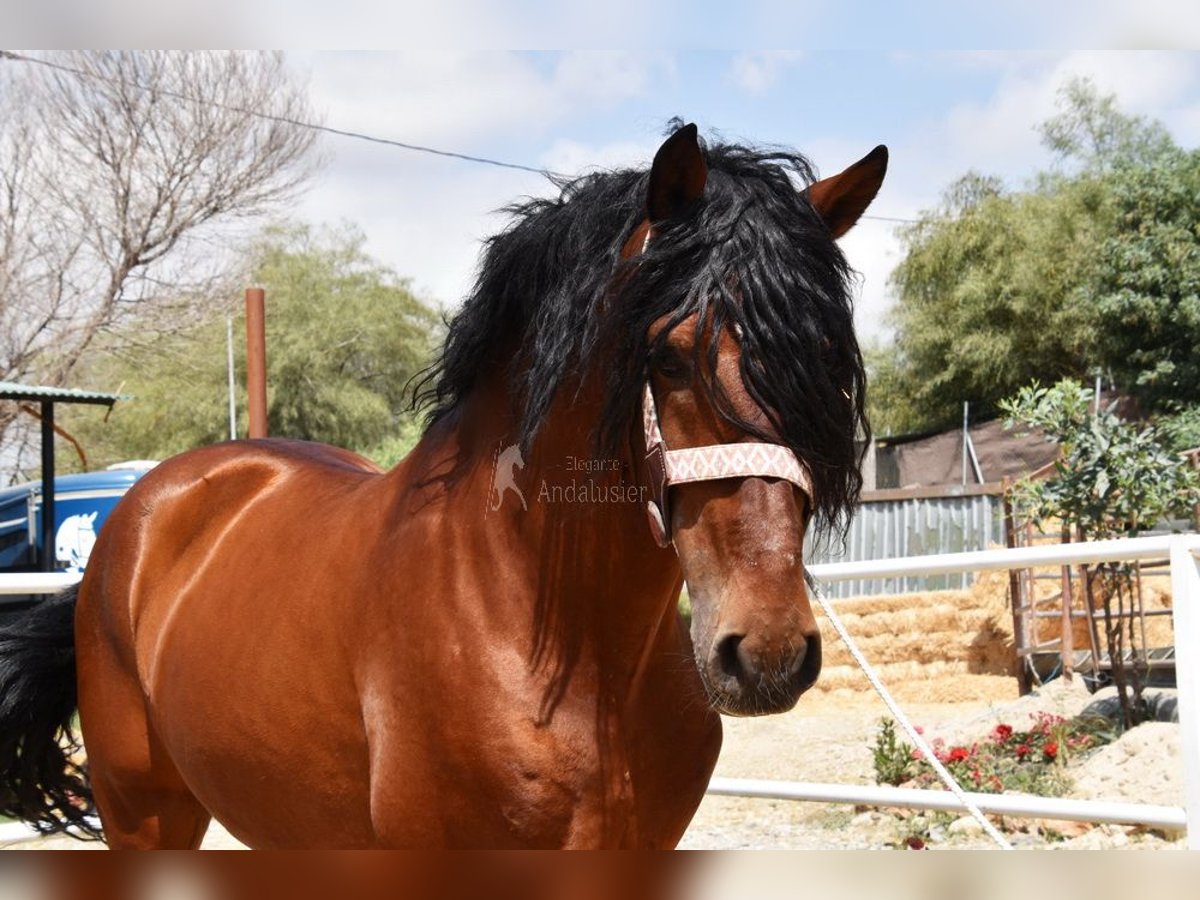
(672, 364)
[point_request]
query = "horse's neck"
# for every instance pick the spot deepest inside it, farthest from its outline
(592, 569)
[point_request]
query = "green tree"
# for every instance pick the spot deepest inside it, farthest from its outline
(344, 335)
(987, 298)
(1094, 267)
(1112, 479)
(1144, 296)
(1092, 135)
(118, 172)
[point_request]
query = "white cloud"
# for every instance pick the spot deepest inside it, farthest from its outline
(425, 217)
(758, 72)
(573, 157)
(873, 252)
(1148, 24)
(998, 136)
(426, 96)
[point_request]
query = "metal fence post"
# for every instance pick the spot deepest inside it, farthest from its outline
(1185, 595)
(256, 362)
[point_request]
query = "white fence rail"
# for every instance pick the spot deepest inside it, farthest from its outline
(1182, 551)
(22, 583)
(890, 524)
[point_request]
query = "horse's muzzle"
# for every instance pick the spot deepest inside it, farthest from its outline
(748, 676)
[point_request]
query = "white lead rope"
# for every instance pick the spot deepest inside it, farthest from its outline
(917, 739)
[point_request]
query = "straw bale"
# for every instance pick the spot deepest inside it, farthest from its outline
(925, 628)
(911, 682)
(990, 590)
(957, 646)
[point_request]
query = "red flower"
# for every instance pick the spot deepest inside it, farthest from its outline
(1001, 733)
(958, 754)
(1050, 751)
(1022, 751)
(915, 843)
(1046, 721)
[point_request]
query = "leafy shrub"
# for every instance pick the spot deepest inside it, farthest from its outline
(1031, 761)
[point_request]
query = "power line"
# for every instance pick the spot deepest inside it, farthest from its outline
(286, 120)
(313, 126)
(891, 219)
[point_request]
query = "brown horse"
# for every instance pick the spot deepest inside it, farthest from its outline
(481, 647)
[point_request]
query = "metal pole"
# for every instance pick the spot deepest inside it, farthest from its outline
(966, 414)
(256, 361)
(1037, 556)
(22, 584)
(1185, 595)
(1068, 625)
(1016, 805)
(232, 383)
(46, 561)
(975, 467)
(1020, 638)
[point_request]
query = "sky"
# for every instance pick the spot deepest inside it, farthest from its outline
(430, 74)
(940, 112)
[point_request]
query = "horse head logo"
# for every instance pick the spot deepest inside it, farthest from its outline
(503, 476)
(74, 540)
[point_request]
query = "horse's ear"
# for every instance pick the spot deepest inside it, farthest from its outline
(842, 198)
(677, 177)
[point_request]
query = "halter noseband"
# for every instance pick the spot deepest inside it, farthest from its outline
(712, 463)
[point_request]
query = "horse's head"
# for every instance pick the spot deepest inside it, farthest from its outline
(756, 348)
(714, 278)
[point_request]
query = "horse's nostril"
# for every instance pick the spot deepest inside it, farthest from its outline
(808, 664)
(727, 655)
(797, 661)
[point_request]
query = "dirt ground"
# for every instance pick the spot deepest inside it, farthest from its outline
(828, 738)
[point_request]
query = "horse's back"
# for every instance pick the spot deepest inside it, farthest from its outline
(214, 589)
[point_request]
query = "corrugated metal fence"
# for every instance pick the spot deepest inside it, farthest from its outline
(916, 523)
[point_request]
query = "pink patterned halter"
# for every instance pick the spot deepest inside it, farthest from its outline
(714, 462)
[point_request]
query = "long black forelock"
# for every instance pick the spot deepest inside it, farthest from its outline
(554, 294)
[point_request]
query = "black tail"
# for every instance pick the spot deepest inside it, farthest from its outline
(41, 780)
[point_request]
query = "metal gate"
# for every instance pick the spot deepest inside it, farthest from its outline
(902, 523)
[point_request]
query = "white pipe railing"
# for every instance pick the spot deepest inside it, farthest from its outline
(1182, 551)
(21, 583)
(1121, 550)
(1016, 805)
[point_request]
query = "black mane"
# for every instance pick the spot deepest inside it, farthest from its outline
(553, 293)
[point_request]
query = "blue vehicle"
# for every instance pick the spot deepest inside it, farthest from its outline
(82, 503)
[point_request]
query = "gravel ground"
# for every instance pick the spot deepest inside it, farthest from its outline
(828, 738)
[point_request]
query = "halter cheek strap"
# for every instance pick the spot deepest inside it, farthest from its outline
(712, 463)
